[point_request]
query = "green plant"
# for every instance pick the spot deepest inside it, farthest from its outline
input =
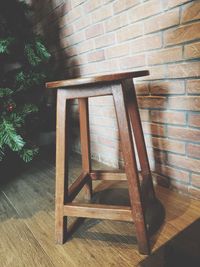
(23, 58)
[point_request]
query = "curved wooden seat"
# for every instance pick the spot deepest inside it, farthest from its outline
(97, 79)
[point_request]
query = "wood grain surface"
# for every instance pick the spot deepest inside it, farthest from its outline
(27, 224)
(97, 79)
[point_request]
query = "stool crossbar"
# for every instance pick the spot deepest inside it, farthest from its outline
(141, 191)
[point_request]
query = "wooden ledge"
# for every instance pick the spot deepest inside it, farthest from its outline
(98, 211)
(77, 185)
(97, 79)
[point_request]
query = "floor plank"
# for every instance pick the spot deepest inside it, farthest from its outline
(18, 246)
(28, 204)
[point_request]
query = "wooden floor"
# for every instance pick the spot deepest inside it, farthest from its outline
(27, 227)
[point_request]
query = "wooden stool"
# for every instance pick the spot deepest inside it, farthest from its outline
(144, 204)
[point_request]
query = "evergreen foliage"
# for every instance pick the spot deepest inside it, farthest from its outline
(23, 60)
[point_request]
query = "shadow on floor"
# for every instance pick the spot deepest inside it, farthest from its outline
(181, 251)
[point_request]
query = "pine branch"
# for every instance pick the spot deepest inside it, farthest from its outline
(5, 44)
(9, 136)
(25, 81)
(42, 51)
(1, 153)
(27, 154)
(33, 59)
(5, 92)
(28, 109)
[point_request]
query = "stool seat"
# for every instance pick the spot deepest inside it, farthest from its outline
(97, 79)
(144, 210)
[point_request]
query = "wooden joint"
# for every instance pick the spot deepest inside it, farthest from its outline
(98, 211)
(77, 185)
(115, 175)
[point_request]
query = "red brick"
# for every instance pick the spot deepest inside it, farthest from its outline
(184, 103)
(182, 34)
(117, 51)
(150, 101)
(92, 5)
(121, 5)
(172, 172)
(109, 111)
(103, 101)
(105, 121)
(186, 134)
(193, 86)
(105, 40)
(116, 22)
(97, 139)
(168, 117)
(73, 15)
(191, 12)
(66, 7)
(85, 46)
(192, 50)
(76, 38)
(64, 43)
(183, 70)
(193, 150)
(145, 10)
(132, 61)
(94, 30)
(194, 119)
(144, 114)
(153, 129)
(81, 23)
(145, 43)
(162, 21)
(173, 3)
(168, 145)
(66, 31)
(108, 66)
(184, 162)
(161, 180)
(159, 156)
(142, 89)
(167, 87)
(130, 32)
(101, 13)
(75, 3)
(195, 179)
(164, 56)
(96, 56)
(107, 132)
(89, 69)
(156, 72)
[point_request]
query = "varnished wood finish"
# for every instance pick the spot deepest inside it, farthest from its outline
(85, 143)
(133, 110)
(103, 175)
(131, 169)
(27, 225)
(77, 185)
(99, 211)
(120, 86)
(97, 79)
(61, 167)
(84, 92)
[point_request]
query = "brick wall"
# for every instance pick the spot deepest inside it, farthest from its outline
(98, 36)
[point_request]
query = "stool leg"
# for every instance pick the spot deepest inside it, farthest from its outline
(85, 143)
(131, 169)
(133, 111)
(61, 168)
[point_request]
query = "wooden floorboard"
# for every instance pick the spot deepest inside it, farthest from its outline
(27, 224)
